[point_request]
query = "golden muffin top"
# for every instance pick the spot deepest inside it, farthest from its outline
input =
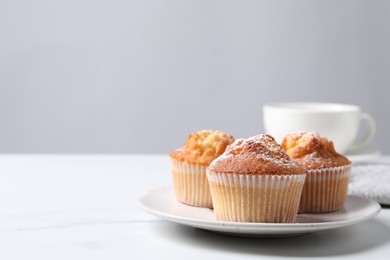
(203, 147)
(313, 151)
(259, 154)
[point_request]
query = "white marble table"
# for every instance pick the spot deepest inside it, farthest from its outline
(85, 207)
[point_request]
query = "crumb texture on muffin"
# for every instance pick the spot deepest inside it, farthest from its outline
(259, 154)
(313, 151)
(203, 147)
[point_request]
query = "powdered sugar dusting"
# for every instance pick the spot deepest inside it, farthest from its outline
(312, 151)
(260, 146)
(305, 135)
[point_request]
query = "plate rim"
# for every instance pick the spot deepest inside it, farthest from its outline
(255, 227)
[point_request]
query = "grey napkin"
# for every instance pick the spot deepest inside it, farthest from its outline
(371, 181)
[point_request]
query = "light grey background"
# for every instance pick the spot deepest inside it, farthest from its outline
(139, 76)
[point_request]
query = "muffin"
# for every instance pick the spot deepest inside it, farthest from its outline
(327, 172)
(255, 180)
(190, 162)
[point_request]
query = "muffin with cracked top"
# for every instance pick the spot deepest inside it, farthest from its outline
(255, 180)
(190, 162)
(327, 171)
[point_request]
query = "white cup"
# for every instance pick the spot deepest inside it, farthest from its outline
(338, 122)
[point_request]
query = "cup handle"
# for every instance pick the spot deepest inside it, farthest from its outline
(371, 129)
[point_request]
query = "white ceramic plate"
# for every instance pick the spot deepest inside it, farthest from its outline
(161, 202)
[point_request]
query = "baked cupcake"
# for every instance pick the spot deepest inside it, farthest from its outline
(327, 171)
(255, 180)
(190, 162)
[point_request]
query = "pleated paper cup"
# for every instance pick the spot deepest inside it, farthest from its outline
(190, 184)
(325, 189)
(256, 198)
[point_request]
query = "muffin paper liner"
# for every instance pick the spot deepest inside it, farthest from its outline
(256, 198)
(190, 184)
(325, 189)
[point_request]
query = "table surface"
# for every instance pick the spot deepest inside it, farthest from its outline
(86, 207)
